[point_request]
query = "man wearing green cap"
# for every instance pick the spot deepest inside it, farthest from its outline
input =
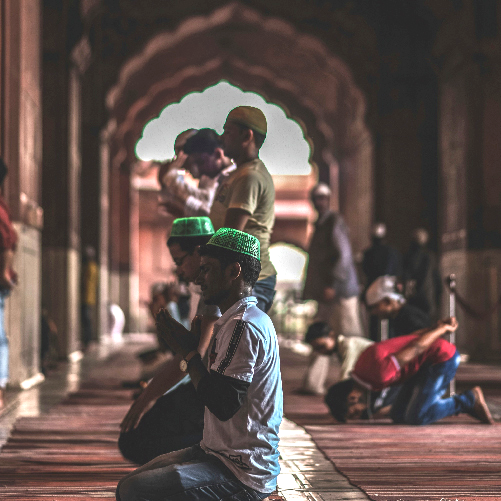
(175, 420)
(241, 389)
(245, 200)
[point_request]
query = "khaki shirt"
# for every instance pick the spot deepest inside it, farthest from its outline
(250, 188)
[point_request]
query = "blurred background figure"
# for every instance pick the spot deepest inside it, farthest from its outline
(8, 279)
(385, 301)
(378, 260)
(117, 323)
(186, 189)
(331, 280)
(89, 294)
(48, 342)
(421, 276)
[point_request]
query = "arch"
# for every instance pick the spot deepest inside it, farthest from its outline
(266, 55)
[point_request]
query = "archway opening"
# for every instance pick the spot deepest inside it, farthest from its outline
(286, 152)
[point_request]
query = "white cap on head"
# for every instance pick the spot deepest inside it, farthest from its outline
(382, 288)
(379, 230)
(321, 189)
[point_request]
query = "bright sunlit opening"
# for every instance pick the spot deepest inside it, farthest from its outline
(289, 261)
(285, 151)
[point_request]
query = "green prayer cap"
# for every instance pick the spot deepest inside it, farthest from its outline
(192, 227)
(249, 116)
(236, 241)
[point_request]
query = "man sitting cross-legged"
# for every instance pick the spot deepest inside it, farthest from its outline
(242, 390)
(423, 364)
(168, 415)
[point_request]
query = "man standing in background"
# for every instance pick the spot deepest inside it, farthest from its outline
(331, 280)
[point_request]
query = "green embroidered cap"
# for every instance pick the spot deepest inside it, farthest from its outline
(192, 227)
(236, 241)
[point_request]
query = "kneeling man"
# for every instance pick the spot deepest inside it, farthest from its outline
(242, 390)
(424, 364)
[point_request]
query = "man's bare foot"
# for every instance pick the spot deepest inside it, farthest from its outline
(480, 409)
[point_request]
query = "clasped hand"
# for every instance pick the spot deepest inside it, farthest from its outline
(180, 340)
(449, 324)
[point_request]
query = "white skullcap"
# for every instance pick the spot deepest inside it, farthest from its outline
(379, 230)
(321, 189)
(383, 287)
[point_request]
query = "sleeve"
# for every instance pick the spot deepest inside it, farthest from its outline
(222, 395)
(194, 207)
(245, 192)
(354, 348)
(6, 240)
(237, 351)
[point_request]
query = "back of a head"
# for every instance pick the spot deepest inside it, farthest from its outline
(378, 231)
(384, 287)
(320, 190)
(234, 246)
(251, 118)
(204, 141)
(337, 399)
(182, 138)
(420, 236)
(317, 330)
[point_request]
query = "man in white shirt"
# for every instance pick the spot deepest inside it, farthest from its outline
(241, 390)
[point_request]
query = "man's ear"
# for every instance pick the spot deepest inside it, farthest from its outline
(247, 136)
(234, 270)
(218, 153)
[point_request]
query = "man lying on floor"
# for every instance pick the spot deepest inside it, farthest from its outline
(242, 390)
(424, 364)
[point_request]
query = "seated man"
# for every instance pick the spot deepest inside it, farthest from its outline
(423, 363)
(242, 390)
(175, 420)
(385, 302)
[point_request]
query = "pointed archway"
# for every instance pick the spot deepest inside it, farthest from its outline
(265, 55)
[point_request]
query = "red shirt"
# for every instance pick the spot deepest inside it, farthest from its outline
(8, 235)
(377, 367)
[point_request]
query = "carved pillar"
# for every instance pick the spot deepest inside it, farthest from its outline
(470, 210)
(20, 146)
(61, 177)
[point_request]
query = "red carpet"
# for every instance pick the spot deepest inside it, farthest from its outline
(455, 459)
(69, 454)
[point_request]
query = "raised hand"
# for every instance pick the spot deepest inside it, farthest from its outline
(179, 339)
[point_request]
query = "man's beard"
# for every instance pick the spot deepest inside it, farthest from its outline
(217, 298)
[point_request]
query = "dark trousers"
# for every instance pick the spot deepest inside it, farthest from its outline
(175, 422)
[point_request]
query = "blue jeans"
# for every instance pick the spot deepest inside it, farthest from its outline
(419, 401)
(264, 290)
(4, 342)
(188, 474)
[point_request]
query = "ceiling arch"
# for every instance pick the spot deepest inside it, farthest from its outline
(265, 55)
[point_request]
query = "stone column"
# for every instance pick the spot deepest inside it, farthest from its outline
(470, 211)
(61, 177)
(20, 146)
